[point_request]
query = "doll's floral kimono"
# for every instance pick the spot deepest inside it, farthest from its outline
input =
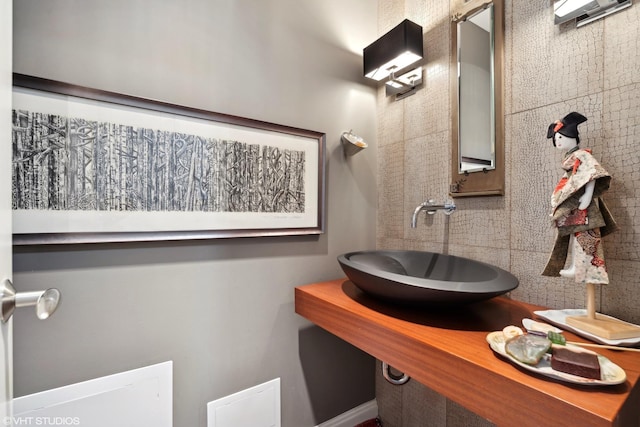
(588, 226)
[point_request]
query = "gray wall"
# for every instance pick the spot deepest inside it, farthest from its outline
(222, 310)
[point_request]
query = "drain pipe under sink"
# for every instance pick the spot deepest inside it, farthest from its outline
(393, 379)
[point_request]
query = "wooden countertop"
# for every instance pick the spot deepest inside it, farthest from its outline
(447, 351)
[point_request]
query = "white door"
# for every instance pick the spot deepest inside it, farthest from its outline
(6, 37)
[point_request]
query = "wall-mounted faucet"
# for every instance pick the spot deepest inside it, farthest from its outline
(431, 208)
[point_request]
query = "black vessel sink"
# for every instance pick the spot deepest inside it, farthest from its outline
(425, 277)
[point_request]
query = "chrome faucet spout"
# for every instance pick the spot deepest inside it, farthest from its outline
(431, 208)
(414, 218)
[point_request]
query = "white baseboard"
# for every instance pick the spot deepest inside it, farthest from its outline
(354, 416)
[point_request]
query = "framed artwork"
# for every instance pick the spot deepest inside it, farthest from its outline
(96, 166)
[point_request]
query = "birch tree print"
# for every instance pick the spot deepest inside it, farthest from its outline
(69, 163)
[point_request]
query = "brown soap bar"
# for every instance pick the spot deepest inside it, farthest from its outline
(577, 362)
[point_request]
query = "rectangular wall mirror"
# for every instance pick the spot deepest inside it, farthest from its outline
(477, 117)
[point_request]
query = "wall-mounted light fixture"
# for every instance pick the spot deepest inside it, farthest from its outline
(586, 11)
(389, 56)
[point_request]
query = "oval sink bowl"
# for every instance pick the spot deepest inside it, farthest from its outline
(425, 277)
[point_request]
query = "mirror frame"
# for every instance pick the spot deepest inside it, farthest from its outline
(489, 182)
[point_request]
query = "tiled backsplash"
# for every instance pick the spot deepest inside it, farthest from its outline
(550, 70)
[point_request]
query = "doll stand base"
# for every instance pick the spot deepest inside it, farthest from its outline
(600, 325)
(605, 326)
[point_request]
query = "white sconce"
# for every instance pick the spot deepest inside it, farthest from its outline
(352, 143)
(391, 54)
(586, 11)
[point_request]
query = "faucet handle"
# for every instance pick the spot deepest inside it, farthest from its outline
(449, 207)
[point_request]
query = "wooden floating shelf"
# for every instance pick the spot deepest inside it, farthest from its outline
(447, 351)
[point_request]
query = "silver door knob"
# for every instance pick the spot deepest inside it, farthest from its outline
(45, 302)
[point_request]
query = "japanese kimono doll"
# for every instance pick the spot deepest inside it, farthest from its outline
(578, 211)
